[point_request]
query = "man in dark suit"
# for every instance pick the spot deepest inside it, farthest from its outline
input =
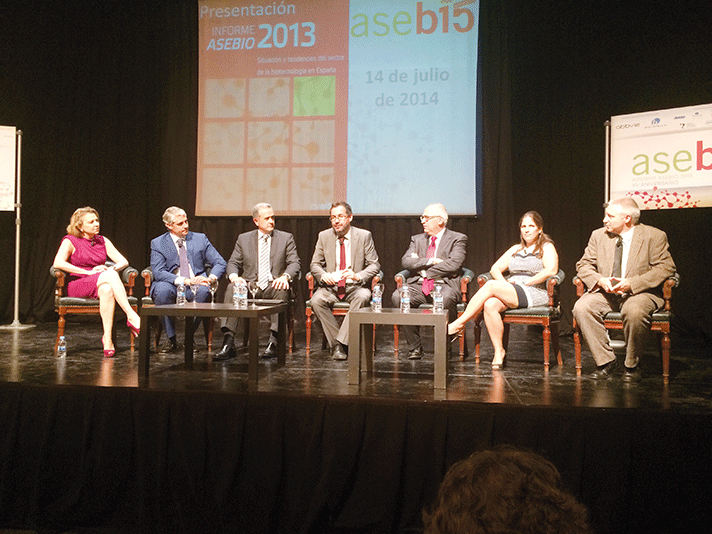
(437, 254)
(343, 265)
(629, 283)
(180, 257)
(279, 266)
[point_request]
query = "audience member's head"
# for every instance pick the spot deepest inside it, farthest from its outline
(504, 491)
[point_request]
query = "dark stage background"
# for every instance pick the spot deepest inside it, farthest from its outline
(106, 96)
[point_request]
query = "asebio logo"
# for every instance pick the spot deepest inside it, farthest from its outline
(681, 161)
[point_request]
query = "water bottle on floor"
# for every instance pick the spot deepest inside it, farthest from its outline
(405, 298)
(61, 347)
(438, 299)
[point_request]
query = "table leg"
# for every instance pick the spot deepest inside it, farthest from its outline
(441, 350)
(354, 350)
(253, 349)
(367, 347)
(188, 342)
(282, 338)
(144, 350)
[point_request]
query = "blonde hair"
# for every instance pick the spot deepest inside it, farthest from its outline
(75, 223)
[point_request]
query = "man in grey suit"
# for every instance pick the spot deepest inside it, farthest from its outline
(643, 263)
(180, 257)
(270, 258)
(436, 254)
(343, 265)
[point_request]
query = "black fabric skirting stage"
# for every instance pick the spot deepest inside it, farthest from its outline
(199, 450)
(133, 460)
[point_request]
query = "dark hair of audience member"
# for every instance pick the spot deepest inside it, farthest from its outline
(504, 491)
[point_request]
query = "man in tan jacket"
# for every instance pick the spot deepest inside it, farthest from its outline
(643, 264)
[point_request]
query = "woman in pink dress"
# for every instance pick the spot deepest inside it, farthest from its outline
(83, 254)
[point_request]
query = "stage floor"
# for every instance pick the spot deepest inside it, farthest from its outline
(27, 357)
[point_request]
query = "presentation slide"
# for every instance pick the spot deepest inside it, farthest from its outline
(663, 159)
(7, 168)
(307, 102)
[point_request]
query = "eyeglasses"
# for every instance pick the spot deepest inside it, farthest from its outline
(334, 218)
(426, 218)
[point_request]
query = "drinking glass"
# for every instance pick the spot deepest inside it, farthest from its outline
(213, 289)
(253, 287)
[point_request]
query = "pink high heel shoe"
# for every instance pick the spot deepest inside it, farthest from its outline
(108, 353)
(135, 331)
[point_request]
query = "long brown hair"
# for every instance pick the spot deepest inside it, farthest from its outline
(542, 240)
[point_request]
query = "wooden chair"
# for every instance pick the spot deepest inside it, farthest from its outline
(467, 276)
(208, 323)
(65, 305)
(546, 316)
(340, 308)
(660, 322)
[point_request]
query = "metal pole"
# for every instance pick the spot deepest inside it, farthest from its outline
(16, 325)
(607, 193)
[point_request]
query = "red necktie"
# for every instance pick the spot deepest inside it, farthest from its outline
(341, 286)
(428, 283)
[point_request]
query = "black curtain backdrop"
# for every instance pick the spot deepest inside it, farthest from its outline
(105, 94)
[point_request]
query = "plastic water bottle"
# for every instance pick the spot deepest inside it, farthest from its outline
(180, 297)
(438, 299)
(405, 298)
(239, 295)
(62, 347)
(377, 298)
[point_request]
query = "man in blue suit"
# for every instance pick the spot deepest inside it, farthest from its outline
(180, 257)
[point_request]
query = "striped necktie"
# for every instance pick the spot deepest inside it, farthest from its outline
(263, 272)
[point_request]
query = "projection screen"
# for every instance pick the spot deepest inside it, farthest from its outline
(305, 102)
(663, 158)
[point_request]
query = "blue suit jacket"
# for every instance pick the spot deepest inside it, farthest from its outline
(164, 257)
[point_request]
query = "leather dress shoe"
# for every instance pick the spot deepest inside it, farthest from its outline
(226, 352)
(338, 352)
(415, 354)
(270, 351)
(605, 371)
(631, 374)
(168, 347)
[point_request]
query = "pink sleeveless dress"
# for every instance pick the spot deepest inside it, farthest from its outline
(88, 253)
